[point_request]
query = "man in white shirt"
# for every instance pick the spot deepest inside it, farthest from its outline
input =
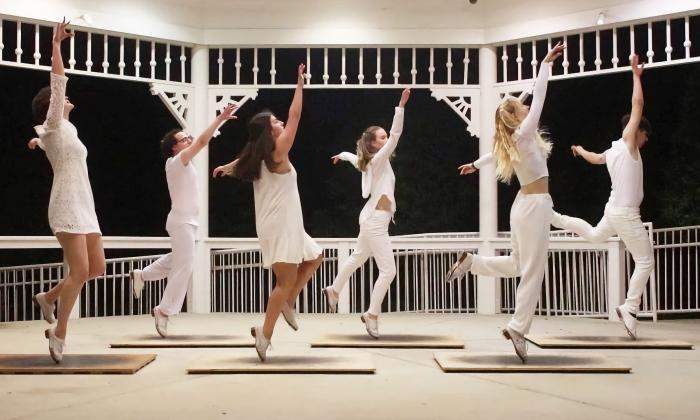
(621, 215)
(179, 148)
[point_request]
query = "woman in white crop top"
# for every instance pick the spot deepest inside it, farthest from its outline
(374, 150)
(520, 150)
(284, 244)
(71, 207)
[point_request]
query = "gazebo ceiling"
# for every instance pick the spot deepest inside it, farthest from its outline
(343, 21)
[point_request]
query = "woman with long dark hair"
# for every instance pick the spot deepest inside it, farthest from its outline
(285, 246)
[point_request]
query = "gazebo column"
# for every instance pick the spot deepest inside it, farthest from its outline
(199, 292)
(488, 288)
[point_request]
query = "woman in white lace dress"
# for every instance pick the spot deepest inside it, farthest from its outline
(71, 207)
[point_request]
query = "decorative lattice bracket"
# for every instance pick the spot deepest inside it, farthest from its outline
(176, 99)
(464, 102)
(220, 97)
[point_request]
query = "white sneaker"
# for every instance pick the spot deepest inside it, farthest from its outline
(460, 267)
(56, 345)
(261, 342)
(161, 322)
(136, 283)
(519, 343)
(372, 325)
(331, 299)
(289, 315)
(47, 308)
(629, 320)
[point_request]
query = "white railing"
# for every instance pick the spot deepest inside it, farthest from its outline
(581, 280)
(94, 52)
(240, 284)
(659, 41)
(676, 269)
(364, 67)
(107, 295)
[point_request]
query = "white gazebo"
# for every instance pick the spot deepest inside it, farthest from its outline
(168, 45)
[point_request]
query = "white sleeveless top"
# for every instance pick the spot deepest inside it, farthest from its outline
(184, 194)
(278, 219)
(71, 206)
(626, 176)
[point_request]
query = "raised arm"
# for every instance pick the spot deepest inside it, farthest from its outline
(539, 92)
(54, 115)
(629, 134)
(203, 140)
(590, 157)
(286, 139)
(347, 157)
(395, 131)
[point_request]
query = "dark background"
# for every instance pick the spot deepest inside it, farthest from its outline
(121, 125)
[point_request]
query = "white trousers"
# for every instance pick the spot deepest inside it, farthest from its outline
(177, 266)
(627, 224)
(373, 240)
(530, 217)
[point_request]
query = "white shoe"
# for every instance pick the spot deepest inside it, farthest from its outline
(161, 322)
(519, 343)
(629, 320)
(372, 325)
(460, 267)
(331, 299)
(56, 345)
(261, 342)
(47, 308)
(136, 283)
(289, 315)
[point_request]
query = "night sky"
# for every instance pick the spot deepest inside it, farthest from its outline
(121, 125)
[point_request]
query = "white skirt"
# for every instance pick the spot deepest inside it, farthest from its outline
(281, 248)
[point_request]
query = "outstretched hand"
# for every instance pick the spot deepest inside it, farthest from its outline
(60, 34)
(33, 143)
(335, 159)
(466, 169)
(637, 68)
(574, 150)
(555, 52)
(300, 72)
(227, 113)
(405, 95)
(219, 171)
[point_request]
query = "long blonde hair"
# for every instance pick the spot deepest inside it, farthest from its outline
(365, 150)
(504, 147)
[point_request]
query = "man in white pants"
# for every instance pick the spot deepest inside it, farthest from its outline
(179, 149)
(621, 215)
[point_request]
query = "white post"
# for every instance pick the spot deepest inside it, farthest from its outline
(488, 288)
(198, 296)
(616, 276)
(344, 296)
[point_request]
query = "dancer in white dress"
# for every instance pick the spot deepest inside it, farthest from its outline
(374, 150)
(520, 150)
(284, 244)
(71, 207)
(179, 149)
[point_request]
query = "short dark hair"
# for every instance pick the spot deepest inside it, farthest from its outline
(168, 141)
(644, 124)
(40, 104)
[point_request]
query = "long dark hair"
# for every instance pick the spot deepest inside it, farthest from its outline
(258, 149)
